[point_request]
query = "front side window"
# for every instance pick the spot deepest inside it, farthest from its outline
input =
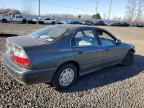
(49, 33)
(105, 38)
(85, 38)
(18, 16)
(47, 18)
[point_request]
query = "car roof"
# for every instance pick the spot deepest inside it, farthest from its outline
(72, 27)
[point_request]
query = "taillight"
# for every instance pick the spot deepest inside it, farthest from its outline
(19, 57)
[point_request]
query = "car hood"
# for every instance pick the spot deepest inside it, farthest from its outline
(26, 41)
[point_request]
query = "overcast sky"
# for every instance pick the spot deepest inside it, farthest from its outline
(68, 6)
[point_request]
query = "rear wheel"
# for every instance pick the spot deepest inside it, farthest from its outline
(4, 21)
(65, 76)
(53, 22)
(128, 60)
(24, 21)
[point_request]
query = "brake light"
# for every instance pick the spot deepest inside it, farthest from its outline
(19, 57)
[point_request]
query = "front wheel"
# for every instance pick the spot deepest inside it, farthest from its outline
(128, 60)
(65, 76)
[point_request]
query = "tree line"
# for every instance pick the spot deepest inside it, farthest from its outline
(135, 10)
(15, 11)
(9, 11)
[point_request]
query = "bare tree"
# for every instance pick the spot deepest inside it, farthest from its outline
(139, 10)
(104, 16)
(115, 18)
(131, 8)
(27, 11)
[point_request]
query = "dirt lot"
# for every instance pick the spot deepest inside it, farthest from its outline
(114, 87)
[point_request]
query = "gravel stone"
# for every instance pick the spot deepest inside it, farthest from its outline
(113, 87)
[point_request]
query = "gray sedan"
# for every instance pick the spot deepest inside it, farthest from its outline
(60, 54)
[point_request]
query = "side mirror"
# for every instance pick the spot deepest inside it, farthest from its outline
(118, 41)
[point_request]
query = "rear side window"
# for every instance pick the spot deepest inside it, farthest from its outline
(85, 38)
(49, 33)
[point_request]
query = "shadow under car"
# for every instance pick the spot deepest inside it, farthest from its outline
(108, 76)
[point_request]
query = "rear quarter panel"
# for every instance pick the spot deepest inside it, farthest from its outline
(50, 55)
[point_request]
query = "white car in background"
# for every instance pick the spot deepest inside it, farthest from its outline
(11, 18)
(65, 22)
(5, 18)
(32, 20)
(49, 21)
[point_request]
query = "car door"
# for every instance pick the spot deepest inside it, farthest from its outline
(113, 53)
(47, 20)
(88, 52)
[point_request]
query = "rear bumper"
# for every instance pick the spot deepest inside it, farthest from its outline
(25, 76)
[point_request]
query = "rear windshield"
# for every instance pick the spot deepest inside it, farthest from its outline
(49, 33)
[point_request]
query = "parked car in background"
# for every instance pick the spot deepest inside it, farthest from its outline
(12, 18)
(5, 18)
(75, 22)
(100, 23)
(49, 21)
(65, 22)
(87, 23)
(124, 24)
(115, 24)
(137, 24)
(61, 54)
(32, 20)
(41, 21)
(120, 24)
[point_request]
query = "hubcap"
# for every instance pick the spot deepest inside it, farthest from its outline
(66, 77)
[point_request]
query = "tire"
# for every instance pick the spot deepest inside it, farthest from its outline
(128, 60)
(57, 81)
(53, 23)
(41, 22)
(4, 21)
(24, 21)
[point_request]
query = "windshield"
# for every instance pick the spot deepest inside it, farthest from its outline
(49, 33)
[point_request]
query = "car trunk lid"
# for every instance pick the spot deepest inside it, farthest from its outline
(25, 41)
(15, 49)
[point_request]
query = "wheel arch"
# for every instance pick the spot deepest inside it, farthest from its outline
(68, 62)
(131, 50)
(4, 19)
(71, 62)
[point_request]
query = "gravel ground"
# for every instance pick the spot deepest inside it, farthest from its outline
(113, 87)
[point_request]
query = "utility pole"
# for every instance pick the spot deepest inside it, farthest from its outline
(96, 6)
(110, 9)
(39, 9)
